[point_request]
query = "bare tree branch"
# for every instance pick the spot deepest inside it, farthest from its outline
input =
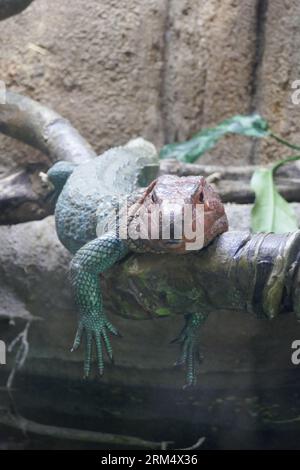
(24, 119)
(12, 7)
(24, 197)
(18, 422)
(21, 355)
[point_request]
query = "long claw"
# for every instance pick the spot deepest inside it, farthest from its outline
(180, 338)
(98, 332)
(99, 354)
(190, 366)
(184, 353)
(107, 344)
(112, 329)
(78, 337)
(189, 385)
(88, 355)
(190, 354)
(176, 340)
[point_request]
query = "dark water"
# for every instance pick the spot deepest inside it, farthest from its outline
(237, 418)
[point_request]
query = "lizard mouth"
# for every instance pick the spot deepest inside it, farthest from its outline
(174, 241)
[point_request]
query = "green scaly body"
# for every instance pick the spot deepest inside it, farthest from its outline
(89, 193)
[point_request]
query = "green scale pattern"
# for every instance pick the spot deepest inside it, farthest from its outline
(89, 261)
(86, 197)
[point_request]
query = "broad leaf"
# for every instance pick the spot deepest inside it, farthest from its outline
(252, 126)
(270, 213)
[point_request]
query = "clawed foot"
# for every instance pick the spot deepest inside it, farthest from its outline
(94, 328)
(190, 356)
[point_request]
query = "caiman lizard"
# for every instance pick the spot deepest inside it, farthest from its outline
(91, 225)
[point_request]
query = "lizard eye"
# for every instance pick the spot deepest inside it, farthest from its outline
(201, 197)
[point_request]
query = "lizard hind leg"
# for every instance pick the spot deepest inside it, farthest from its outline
(190, 354)
(89, 261)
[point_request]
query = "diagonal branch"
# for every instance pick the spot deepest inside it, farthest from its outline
(23, 195)
(22, 352)
(233, 182)
(24, 119)
(18, 422)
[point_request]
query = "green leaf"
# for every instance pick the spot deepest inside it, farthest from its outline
(252, 126)
(270, 213)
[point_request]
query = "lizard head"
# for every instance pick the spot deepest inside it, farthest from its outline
(178, 214)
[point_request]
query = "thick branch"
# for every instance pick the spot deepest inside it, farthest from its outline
(233, 182)
(24, 197)
(12, 7)
(256, 273)
(26, 120)
(18, 422)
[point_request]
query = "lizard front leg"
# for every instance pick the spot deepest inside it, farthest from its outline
(189, 339)
(89, 261)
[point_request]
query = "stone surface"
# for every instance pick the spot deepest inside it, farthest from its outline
(161, 68)
(209, 66)
(98, 65)
(278, 67)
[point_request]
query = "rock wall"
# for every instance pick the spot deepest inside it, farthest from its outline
(159, 68)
